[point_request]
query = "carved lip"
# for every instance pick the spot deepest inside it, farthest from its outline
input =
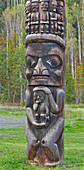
(43, 81)
(41, 78)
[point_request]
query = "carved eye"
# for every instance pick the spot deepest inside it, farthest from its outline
(30, 62)
(53, 63)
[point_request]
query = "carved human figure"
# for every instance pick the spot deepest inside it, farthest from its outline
(41, 106)
(28, 16)
(44, 16)
(35, 17)
(60, 12)
(53, 17)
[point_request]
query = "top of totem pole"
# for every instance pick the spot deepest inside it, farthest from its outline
(45, 21)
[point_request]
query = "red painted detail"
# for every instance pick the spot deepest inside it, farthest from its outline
(41, 79)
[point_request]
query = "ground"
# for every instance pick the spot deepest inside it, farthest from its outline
(13, 139)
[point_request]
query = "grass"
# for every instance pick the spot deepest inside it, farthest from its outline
(9, 112)
(13, 142)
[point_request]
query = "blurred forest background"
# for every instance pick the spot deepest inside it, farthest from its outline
(13, 80)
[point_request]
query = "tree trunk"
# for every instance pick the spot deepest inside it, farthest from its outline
(0, 89)
(14, 14)
(21, 91)
(79, 39)
(14, 94)
(82, 28)
(11, 2)
(7, 60)
(67, 40)
(21, 28)
(72, 66)
(14, 4)
(17, 2)
(7, 3)
(75, 81)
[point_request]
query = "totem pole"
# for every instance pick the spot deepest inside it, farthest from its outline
(45, 61)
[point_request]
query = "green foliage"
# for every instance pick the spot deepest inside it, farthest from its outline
(74, 51)
(3, 5)
(3, 76)
(69, 89)
(12, 45)
(16, 64)
(80, 82)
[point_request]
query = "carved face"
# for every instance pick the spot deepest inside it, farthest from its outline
(44, 5)
(54, 5)
(60, 10)
(28, 7)
(44, 64)
(39, 96)
(35, 6)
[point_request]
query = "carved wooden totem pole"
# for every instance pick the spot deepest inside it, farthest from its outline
(45, 61)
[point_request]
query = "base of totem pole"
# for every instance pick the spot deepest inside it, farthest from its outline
(47, 164)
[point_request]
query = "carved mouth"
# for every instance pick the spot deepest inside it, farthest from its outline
(41, 78)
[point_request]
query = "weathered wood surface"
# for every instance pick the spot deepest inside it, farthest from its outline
(45, 61)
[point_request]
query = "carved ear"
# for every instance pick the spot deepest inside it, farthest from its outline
(28, 97)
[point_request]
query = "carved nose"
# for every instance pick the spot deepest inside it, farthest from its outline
(40, 69)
